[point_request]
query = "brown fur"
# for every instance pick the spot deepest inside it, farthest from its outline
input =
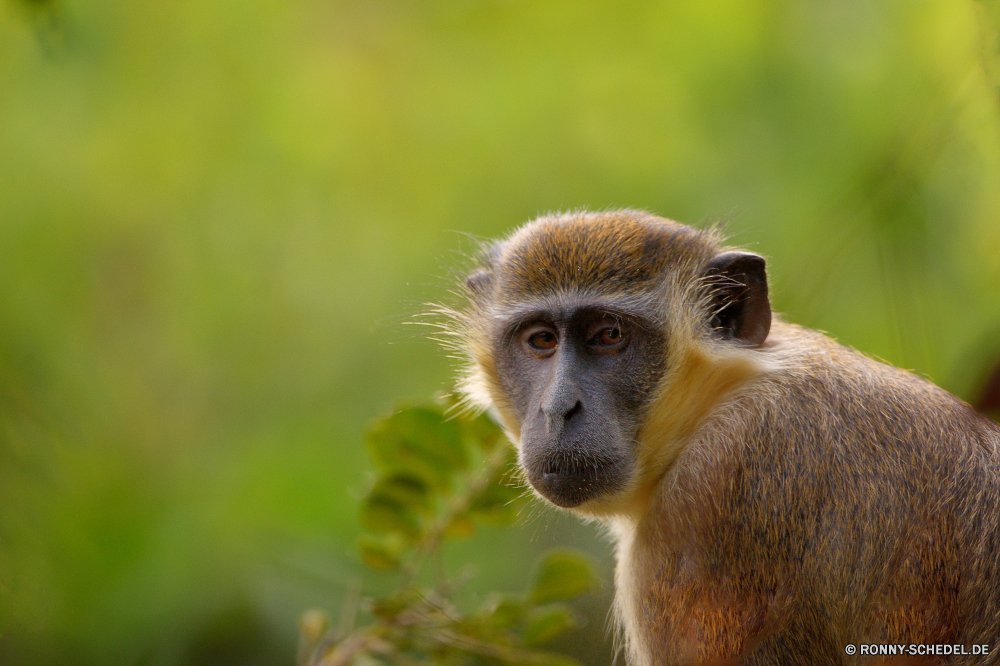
(840, 501)
(566, 252)
(789, 500)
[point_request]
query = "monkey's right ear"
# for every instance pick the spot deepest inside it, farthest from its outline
(740, 307)
(479, 282)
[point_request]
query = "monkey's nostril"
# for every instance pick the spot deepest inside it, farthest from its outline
(575, 409)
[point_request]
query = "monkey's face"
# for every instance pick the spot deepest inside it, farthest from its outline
(570, 323)
(577, 375)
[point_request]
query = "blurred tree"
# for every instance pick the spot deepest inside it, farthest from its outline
(213, 216)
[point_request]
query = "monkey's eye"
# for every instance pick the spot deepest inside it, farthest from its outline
(609, 336)
(542, 340)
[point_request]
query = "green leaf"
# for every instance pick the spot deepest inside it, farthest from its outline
(547, 623)
(384, 553)
(384, 514)
(507, 613)
(405, 489)
(390, 607)
(562, 574)
(501, 501)
(483, 432)
(396, 504)
(419, 442)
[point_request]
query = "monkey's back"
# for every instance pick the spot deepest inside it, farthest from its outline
(848, 503)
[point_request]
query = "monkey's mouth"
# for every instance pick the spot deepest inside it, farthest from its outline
(569, 480)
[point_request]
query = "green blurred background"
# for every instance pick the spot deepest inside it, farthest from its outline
(216, 218)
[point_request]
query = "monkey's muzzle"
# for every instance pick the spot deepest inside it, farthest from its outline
(570, 479)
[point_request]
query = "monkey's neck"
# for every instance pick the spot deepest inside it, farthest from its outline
(703, 380)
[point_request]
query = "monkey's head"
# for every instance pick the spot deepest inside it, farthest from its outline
(583, 329)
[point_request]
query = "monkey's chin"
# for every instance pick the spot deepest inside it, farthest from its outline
(565, 497)
(569, 490)
(571, 478)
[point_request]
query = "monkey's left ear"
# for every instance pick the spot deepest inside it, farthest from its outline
(741, 309)
(479, 283)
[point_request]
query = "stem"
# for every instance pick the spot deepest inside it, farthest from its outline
(351, 647)
(423, 614)
(476, 646)
(458, 505)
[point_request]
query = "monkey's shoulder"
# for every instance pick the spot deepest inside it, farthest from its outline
(819, 392)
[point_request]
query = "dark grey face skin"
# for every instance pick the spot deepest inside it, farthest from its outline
(578, 375)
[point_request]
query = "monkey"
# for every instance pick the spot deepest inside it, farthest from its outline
(773, 497)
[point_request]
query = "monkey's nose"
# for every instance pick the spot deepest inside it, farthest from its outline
(561, 410)
(559, 419)
(575, 409)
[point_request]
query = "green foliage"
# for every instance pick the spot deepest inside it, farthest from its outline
(429, 491)
(211, 214)
(418, 446)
